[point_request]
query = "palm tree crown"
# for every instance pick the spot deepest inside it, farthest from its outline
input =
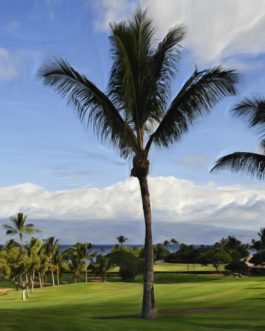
(121, 239)
(136, 110)
(20, 227)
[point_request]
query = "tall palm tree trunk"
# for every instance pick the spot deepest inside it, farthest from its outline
(32, 280)
(148, 305)
(58, 275)
(27, 285)
(40, 280)
(52, 274)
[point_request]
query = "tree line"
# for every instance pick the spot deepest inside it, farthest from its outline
(42, 262)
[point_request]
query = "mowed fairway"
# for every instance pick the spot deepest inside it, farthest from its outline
(163, 267)
(221, 304)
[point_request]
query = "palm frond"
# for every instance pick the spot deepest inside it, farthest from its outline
(9, 229)
(130, 73)
(250, 163)
(140, 77)
(92, 105)
(162, 69)
(253, 110)
(30, 228)
(165, 57)
(198, 95)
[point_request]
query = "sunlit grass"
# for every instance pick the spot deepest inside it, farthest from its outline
(216, 304)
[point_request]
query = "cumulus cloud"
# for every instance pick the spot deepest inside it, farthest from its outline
(8, 69)
(111, 11)
(215, 29)
(174, 202)
(194, 160)
(11, 62)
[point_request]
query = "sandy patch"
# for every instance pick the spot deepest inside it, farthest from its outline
(4, 291)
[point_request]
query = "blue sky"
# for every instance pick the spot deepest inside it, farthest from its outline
(42, 143)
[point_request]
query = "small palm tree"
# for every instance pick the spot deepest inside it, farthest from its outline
(83, 251)
(33, 250)
(50, 247)
(76, 257)
(20, 227)
(101, 266)
(253, 110)
(121, 239)
(136, 111)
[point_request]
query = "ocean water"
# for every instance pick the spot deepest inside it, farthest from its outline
(105, 249)
(102, 249)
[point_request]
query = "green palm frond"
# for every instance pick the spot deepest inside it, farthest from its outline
(253, 110)
(92, 105)
(162, 69)
(30, 228)
(130, 73)
(140, 78)
(198, 95)
(164, 61)
(9, 229)
(250, 163)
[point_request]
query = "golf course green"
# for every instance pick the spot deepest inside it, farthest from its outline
(191, 302)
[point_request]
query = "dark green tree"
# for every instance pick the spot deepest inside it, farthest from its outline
(136, 111)
(121, 239)
(259, 244)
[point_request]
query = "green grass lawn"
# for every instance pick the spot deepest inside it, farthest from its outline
(180, 267)
(205, 304)
(184, 267)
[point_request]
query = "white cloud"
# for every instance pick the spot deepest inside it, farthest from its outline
(173, 200)
(110, 11)
(194, 160)
(11, 62)
(8, 69)
(216, 29)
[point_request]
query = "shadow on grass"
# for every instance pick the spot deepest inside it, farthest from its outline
(93, 317)
(114, 317)
(178, 278)
(225, 322)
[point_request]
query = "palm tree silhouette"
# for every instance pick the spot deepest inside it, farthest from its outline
(136, 111)
(20, 227)
(50, 248)
(253, 110)
(121, 239)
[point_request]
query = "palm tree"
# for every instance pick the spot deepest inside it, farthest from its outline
(58, 263)
(20, 227)
(76, 257)
(50, 248)
(253, 110)
(135, 112)
(101, 266)
(34, 248)
(83, 251)
(121, 239)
